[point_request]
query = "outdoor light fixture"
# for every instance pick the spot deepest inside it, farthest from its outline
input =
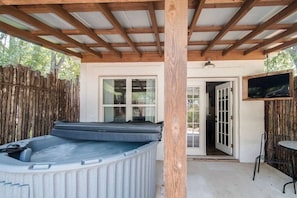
(209, 64)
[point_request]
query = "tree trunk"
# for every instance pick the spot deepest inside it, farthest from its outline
(54, 65)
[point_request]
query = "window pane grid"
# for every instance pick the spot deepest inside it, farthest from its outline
(223, 116)
(193, 117)
(136, 96)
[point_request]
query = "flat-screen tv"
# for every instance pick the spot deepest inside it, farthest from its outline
(269, 86)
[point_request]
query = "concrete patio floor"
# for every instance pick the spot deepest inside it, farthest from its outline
(229, 179)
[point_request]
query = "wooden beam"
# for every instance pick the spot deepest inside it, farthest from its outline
(109, 16)
(155, 26)
(155, 57)
(195, 18)
(273, 20)
(209, 3)
(11, 10)
(58, 10)
(143, 30)
(217, 55)
(247, 6)
(175, 66)
(152, 44)
(13, 31)
(282, 46)
(274, 39)
(32, 2)
(159, 5)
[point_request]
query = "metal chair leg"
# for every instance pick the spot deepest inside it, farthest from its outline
(291, 167)
(257, 163)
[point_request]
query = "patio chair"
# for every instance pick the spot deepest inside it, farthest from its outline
(263, 157)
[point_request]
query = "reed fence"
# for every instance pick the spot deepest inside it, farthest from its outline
(281, 124)
(30, 103)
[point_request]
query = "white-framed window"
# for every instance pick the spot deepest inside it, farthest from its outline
(128, 98)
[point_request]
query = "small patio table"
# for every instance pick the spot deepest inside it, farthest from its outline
(291, 145)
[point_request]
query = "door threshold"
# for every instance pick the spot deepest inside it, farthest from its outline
(212, 157)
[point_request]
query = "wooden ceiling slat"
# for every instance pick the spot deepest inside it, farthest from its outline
(274, 39)
(35, 39)
(107, 13)
(38, 24)
(37, 7)
(151, 44)
(144, 30)
(247, 6)
(273, 20)
(195, 18)
(33, 2)
(152, 7)
(155, 57)
(155, 26)
(57, 9)
(282, 46)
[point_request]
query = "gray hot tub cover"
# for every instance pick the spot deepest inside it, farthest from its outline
(107, 131)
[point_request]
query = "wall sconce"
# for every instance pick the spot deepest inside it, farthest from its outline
(209, 64)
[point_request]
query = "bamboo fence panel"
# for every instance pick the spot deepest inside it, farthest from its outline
(31, 103)
(281, 124)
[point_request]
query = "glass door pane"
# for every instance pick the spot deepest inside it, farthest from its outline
(114, 100)
(193, 118)
(143, 100)
(114, 91)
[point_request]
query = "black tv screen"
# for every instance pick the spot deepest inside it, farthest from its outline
(272, 86)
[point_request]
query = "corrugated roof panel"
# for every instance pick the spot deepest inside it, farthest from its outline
(148, 49)
(16, 22)
(124, 49)
(53, 20)
(246, 46)
(100, 49)
(272, 45)
(77, 50)
(268, 34)
(235, 35)
(215, 16)
(293, 35)
(203, 36)
(160, 18)
(112, 38)
(132, 19)
(220, 47)
(82, 38)
(161, 36)
(191, 13)
(290, 19)
(196, 47)
(148, 37)
(95, 20)
(258, 15)
(53, 39)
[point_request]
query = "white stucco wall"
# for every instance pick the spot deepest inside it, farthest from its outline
(249, 116)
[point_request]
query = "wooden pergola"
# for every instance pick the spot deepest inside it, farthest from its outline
(176, 48)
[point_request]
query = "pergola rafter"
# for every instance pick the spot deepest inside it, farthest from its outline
(147, 35)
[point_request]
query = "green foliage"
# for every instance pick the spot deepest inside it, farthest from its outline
(15, 51)
(286, 59)
(70, 69)
(293, 52)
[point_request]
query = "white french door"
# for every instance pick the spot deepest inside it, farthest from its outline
(195, 117)
(224, 114)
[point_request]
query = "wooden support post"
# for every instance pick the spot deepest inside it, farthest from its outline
(175, 169)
